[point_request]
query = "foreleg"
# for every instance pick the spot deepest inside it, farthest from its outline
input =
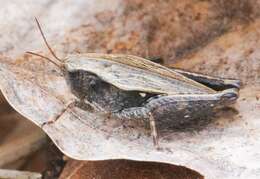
(71, 105)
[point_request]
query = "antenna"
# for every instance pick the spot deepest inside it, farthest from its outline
(39, 55)
(44, 38)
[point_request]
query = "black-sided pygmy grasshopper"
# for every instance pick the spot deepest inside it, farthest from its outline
(131, 87)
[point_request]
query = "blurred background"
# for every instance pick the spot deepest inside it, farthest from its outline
(215, 37)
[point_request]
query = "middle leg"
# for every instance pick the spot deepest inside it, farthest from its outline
(141, 113)
(154, 133)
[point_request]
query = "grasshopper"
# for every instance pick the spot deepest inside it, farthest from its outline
(131, 87)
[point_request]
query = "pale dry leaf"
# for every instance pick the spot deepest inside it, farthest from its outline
(37, 90)
(226, 148)
(15, 174)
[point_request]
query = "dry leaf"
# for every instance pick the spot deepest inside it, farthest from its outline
(15, 174)
(125, 169)
(19, 138)
(38, 91)
(226, 148)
